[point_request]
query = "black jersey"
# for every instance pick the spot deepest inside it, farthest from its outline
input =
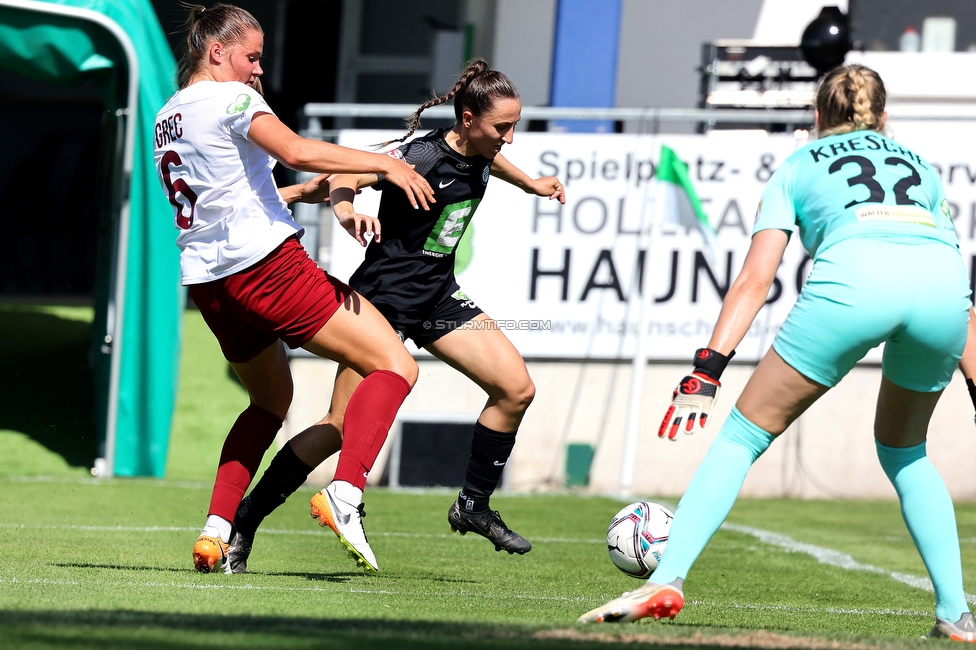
(412, 266)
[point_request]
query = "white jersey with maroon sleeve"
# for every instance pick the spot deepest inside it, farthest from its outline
(228, 209)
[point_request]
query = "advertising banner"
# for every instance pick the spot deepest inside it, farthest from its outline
(563, 281)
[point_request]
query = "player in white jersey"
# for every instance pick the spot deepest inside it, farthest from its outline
(886, 269)
(216, 143)
(229, 212)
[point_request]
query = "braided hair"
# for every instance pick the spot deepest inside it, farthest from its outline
(851, 98)
(477, 89)
(223, 23)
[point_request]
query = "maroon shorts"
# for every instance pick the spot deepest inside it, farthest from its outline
(284, 296)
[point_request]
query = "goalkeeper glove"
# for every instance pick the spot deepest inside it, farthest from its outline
(692, 400)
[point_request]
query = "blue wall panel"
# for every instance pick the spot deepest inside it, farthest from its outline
(584, 66)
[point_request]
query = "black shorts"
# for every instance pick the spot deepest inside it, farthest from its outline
(426, 324)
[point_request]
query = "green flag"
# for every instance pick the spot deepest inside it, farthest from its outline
(678, 203)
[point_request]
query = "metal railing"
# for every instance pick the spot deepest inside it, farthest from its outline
(314, 112)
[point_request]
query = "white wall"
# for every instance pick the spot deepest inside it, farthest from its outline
(660, 48)
(781, 22)
(523, 42)
(829, 454)
(481, 15)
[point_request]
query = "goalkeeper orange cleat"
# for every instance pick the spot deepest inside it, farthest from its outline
(659, 601)
(208, 553)
(962, 630)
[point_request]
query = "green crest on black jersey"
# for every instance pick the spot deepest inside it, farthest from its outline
(241, 103)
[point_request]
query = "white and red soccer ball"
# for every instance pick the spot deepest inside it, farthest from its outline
(637, 537)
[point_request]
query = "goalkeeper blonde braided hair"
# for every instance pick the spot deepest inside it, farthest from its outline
(851, 98)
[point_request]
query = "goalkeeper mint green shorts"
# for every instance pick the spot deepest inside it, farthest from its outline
(909, 293)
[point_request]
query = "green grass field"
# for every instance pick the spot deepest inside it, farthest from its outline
(88, 563)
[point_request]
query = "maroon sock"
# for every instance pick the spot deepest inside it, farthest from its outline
(249, 438)
(369, 415)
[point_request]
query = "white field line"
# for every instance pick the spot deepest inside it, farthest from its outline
(15, 582)
(831, 557)
(827, 556)
(264, 531)
(814, 610)
(823, 555)
(68, 480)
(196, 485)
(248, 587)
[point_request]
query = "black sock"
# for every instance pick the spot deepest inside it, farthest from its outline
(284, 475)
(489, 453)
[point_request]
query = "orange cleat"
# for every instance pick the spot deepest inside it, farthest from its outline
(962, 630)
(659, 601)
(208, 553)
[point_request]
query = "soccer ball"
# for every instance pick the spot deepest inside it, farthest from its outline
(637, 537)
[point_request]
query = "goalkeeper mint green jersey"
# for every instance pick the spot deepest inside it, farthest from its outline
(858, 184)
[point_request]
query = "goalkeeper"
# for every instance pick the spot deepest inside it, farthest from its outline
(968, 362)
(887, 269)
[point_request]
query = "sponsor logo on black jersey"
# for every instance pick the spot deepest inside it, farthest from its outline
(462, 166)
(484, 174)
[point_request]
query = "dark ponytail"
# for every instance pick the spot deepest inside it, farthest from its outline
(477, 89)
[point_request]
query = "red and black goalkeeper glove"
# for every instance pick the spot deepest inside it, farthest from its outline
(695, 395)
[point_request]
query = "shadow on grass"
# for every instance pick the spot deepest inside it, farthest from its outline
(49, 386)
(63, 629)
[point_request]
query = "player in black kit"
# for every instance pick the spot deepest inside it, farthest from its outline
(408, 275)
(410, 272)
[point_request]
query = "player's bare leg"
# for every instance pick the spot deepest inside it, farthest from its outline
(776, 394)
(483, 354)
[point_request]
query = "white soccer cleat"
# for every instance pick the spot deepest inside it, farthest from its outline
(659, 601)
(346, 521)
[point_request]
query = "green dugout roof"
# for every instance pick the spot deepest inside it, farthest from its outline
(120, 45)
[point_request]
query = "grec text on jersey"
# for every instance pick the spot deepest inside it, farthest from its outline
(168, 129)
